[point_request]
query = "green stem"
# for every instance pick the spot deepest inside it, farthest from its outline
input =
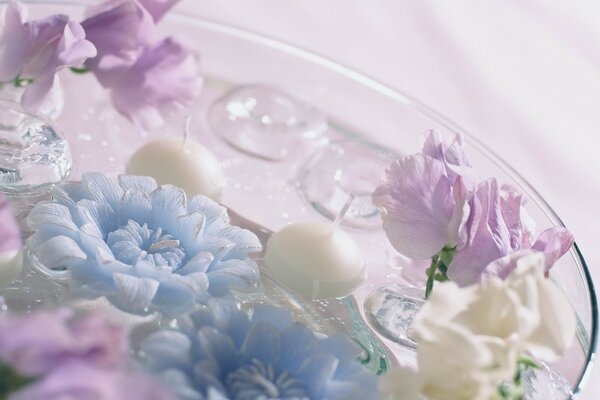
(516, 392)
(438, 271)
(431, 276)
(21, 82)
(81, 70)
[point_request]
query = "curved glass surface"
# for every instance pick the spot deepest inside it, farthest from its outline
(356, 107)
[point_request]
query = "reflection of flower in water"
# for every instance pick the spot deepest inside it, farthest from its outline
(145, 247)
(219, 351)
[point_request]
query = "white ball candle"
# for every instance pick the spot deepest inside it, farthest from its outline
(181, 162)
(316, 259)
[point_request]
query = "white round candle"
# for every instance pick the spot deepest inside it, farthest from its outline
(181, 162)
(317, 259)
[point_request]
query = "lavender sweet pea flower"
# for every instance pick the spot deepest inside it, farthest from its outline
(498, 237)
(164, 78)
(119, 30)
(424, 200)
(35, 344)
(37, 50)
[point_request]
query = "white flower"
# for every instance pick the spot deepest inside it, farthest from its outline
(470, 339)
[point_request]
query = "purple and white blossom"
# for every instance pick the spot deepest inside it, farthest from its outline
(148, 77)
(496, 231)
(35, 51)
(432, 209)
(163, 79)
(424, 199)
(120, 30)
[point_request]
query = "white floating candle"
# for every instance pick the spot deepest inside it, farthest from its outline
(315, 258)
(184, 163)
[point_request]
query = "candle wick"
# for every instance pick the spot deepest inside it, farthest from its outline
(315, 288)
(338, 220)
(187, 128)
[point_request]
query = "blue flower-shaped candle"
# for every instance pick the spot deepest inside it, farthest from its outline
(221, 353)
(145, 247)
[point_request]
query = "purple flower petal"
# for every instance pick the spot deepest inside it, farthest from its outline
(119, 30)
(35, 351)
(36, 50)
(164, 78)
(14, 42)
(158, 8)
(418, 204)
(81, 381)
(553, 242)
(489, 237)
(452, 154)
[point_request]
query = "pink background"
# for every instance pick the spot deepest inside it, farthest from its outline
(524, 77)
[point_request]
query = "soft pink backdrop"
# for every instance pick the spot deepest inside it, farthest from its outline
(522, 76)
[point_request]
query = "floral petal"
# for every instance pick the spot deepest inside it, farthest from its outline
(178, 294)
(297, 342)
(14, 42)
(553, 242)
(191, 228)
(169, 349)
(342, 347)
(53, 214)
(211, 209)
(136, 206)
(59, 251)
(246, 242)
(318, 369)
(102, 189)
(263, 343)
(416, 206)
(134, 293)
(144, 184)
(232, 273)
(199, 263)
(168, 203)
(158, 8)
(489, 237)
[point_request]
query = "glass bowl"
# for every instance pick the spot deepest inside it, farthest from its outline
(265, 195)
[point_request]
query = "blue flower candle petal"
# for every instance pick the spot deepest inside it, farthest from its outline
(143, 246)
(262, 356)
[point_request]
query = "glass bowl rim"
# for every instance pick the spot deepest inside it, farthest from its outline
(408, 101)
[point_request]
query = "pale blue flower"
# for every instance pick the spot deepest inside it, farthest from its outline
(145, 247)
(221, 353)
